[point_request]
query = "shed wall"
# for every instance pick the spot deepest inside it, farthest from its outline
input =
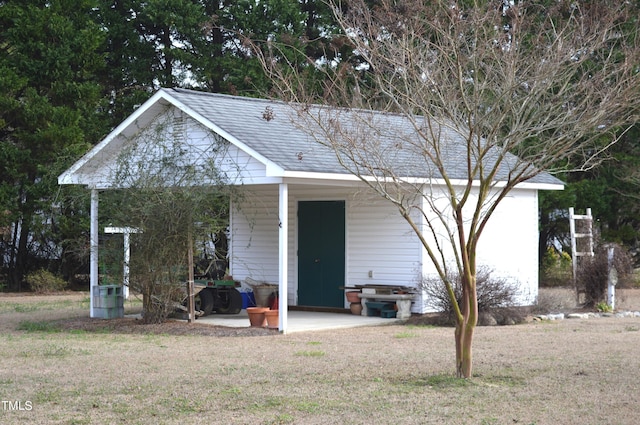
(510, 243)
(377, 238)
(380, 245)
(508, 246)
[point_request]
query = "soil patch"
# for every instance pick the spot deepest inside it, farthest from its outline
(130, 325)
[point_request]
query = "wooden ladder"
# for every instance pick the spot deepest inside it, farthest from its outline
(585, 234)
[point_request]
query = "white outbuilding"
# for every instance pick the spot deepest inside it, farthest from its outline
(303, 221)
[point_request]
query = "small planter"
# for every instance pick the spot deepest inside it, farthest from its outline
(263, 293)
(352, 296)
(257, 317)
(273, 319)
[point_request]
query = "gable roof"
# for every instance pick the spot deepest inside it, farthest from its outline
(270, 132)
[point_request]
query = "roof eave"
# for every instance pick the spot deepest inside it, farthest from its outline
(70, 175)
(273, 169)
(412, 180)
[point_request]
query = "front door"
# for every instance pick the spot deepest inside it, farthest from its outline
(321, 253)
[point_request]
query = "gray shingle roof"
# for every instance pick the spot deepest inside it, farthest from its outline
(275, 131)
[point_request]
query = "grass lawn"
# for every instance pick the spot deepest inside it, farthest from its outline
(560, 372)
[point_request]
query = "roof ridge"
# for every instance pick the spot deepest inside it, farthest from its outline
(225, 95)
(287, 103)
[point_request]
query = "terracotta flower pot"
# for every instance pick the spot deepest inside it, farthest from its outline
(272, 318)
(257, 316)
(352, 296)
(356, 308)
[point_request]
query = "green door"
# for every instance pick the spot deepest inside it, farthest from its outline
(321, 253)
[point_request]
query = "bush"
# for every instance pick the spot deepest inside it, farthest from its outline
(496, 298)
(593, 272)
(43, 281)
(554, 301)
(556, 268)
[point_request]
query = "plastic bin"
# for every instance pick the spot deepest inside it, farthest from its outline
(248, 300)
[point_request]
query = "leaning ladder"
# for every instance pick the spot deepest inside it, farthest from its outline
(585, 235)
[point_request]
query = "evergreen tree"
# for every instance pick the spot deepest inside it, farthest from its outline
(49, 96)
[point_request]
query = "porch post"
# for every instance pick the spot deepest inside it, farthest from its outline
(283, 215)
(126, 236)
(93, 249)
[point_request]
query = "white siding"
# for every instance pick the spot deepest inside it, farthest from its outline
(382, 243)
(236, 165)
(254, 234)
(509, 245)
(377, 238)
(169, 147)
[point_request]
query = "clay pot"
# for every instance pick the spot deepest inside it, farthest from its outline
(273, 318)
(352, 296)
(257, 316)
(356, 308)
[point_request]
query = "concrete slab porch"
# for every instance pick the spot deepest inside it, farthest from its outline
(303, 321)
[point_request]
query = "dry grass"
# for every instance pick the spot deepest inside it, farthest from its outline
(563, 372)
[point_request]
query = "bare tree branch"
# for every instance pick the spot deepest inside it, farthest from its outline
(471, 102)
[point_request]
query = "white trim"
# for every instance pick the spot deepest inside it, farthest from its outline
(93, 249)
(348, 177)
(540, 186)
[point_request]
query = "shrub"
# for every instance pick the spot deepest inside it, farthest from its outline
(551, 301)
(556, 268)
(496, 298)
(592, 274)
(43, 281)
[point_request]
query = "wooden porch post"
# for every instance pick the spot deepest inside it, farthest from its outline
(283, 215)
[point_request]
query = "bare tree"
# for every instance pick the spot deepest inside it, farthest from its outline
(491, 94)
(174, 188)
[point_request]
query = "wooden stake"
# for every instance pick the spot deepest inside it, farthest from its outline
(190, 284)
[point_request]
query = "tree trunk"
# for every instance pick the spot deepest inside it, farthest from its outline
(464, 354)
(466, 327)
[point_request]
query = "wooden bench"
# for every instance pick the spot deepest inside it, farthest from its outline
(402, 301)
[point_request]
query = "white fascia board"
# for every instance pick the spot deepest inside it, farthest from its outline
(100, 185)
(320, 176)
(540, 186)
(304, 175)
(273, 170)
(70, 176)
(501, 184)
(258, 181)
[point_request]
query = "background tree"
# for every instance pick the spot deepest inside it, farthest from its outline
(199, 44)
(48, 97)
(552, 84)
(71, 70)
(610, 189)
(149, 44)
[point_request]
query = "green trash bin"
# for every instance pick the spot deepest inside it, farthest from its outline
(108, 302)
